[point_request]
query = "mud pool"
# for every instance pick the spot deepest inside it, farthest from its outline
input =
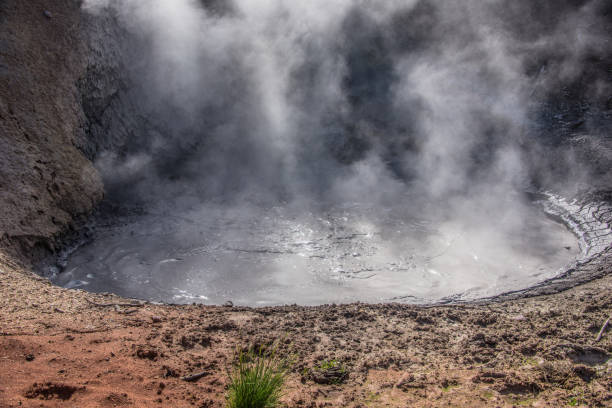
(255, 255)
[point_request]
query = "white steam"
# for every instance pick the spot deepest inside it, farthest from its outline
(436, 91)
(421, 105)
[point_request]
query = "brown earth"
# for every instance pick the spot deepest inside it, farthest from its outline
(58, 348)
(69, 348)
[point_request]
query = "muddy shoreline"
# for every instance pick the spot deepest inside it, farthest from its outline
(588, 218)
(590, 221)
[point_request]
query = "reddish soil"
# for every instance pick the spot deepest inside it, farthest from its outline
(70, 348)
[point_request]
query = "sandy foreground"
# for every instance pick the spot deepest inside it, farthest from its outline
(69, 348)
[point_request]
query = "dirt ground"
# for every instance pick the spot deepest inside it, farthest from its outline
(69, 348)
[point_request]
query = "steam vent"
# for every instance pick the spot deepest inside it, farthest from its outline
(322, 203)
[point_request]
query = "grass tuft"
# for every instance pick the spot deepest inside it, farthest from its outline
(256, 382)
(329, 372)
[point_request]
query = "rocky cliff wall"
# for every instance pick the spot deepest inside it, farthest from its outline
(46, 182)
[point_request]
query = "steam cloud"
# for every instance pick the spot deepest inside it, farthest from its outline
(444, 110)
(306, 99)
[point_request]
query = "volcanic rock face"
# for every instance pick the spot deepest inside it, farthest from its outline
(46, 182)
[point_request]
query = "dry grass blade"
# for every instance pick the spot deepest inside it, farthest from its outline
(603, 329)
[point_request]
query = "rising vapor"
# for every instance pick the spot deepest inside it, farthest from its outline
(434, 107)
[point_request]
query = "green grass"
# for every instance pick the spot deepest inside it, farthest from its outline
(521, 402)
(329, 364)
(334, 366)
(372, 398)
(530, 361)
(575, 402)
(256, 382)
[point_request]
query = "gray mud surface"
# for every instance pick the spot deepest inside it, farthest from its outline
(258, 256)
